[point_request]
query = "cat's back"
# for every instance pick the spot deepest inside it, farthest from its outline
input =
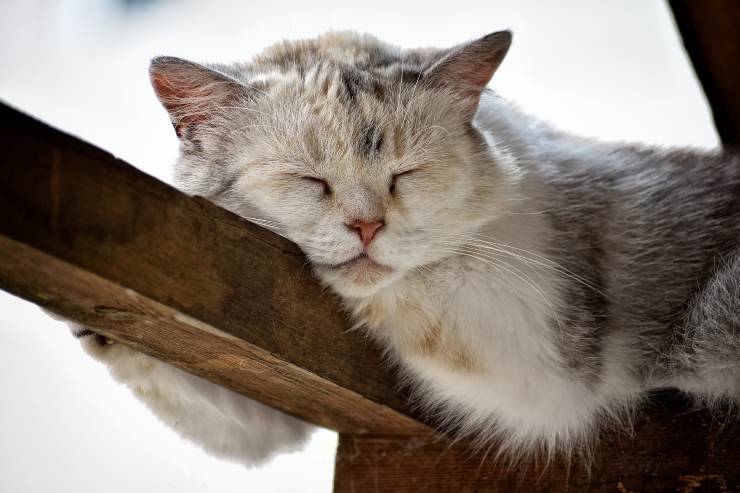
(650, 228)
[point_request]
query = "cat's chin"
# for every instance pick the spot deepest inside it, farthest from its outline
(357, 279)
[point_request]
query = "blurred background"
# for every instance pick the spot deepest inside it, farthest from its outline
(611, 70)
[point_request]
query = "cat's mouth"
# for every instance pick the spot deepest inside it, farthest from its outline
(362, 260)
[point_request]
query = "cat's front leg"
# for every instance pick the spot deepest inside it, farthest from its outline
(222, 422)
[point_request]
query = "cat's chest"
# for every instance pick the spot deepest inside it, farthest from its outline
(482, 340)
(469, 323)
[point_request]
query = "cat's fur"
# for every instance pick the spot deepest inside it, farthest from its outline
(531, 284)
(226, 424)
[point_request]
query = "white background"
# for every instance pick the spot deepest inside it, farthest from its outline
(613, 70)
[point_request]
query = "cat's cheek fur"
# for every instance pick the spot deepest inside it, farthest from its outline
(222, 422)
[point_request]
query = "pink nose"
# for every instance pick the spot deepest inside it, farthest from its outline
(367, 231)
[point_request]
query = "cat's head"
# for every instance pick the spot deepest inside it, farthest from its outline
(364, 155)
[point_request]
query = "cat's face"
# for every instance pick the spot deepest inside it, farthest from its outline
(372, 169)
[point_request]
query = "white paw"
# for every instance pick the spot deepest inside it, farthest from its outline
(88, 337)
(95, 344)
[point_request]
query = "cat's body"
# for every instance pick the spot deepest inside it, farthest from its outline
(558, 316)
(531, 284)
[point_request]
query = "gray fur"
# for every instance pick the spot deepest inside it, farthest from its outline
(652, 232)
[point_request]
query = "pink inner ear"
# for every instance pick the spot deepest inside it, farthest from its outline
(189, 100)
(175, 93)
(169, 97)
(467, 76)
(468, 68)
(475, 75)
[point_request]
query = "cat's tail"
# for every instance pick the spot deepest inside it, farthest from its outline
(222, 422)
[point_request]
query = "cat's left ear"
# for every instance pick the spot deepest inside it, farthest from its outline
(468, 68)
(191, 93)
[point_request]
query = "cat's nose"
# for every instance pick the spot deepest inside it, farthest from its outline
(366, 230)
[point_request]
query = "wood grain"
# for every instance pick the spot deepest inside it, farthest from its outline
(99, 242)
(673, 449)
(710, 33)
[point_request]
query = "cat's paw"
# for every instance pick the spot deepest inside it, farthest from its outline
(119, 358)
(94, 343)
(222, 422)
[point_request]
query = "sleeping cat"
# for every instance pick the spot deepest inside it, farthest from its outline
(533, 284)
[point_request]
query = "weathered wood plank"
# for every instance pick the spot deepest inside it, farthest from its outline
(99, 242)
(712, 40)
(670, 451)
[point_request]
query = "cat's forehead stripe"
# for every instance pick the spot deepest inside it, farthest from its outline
(352, 84)
(370, 142)
(356, 81)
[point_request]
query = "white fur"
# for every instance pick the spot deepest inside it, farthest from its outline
(222, 422)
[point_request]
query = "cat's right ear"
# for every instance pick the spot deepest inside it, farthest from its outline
(191, 93)
(468, 68)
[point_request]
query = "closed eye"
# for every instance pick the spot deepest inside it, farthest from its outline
(319, 181)
(395, 177)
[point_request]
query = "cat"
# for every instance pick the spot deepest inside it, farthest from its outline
(533, 285)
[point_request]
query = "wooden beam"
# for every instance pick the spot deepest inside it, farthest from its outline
(712, 39)
(99, 242)
(672, 449)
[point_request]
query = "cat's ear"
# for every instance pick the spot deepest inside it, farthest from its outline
(468, 68)
(191, 93)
